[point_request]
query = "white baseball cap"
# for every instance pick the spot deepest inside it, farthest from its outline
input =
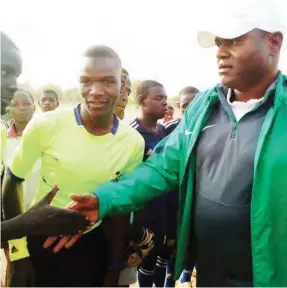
(240, 20)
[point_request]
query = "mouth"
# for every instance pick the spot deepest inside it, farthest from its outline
(97, 104)
(223, 68)
(121, 106)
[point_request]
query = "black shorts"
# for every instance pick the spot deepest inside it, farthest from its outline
(83, 265)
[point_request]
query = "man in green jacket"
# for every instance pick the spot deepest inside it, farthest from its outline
(228, 158)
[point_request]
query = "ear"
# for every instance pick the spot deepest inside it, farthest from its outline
(143, 100)
(58, 103)
(275, 43)
(123, 83)
(177, 104)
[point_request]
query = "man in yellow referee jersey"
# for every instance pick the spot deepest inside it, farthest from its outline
(79, 148)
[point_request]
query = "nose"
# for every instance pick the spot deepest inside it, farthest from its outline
(164, 102)
(22, 108)
(222, 52)
(96, 89)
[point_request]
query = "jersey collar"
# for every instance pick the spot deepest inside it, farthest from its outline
(80, 122)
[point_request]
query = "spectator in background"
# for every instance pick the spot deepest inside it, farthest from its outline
(168, 115)
(152, 100)
(22, 109)
(123, 99)
(186, 95)
(49, 100)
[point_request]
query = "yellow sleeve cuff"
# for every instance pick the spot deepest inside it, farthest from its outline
(18, 249)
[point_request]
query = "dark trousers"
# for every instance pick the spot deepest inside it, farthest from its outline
(83, 265)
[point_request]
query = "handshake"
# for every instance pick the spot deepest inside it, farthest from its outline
(68, 225)
(84, 209)
(44, 219)
(80, 216)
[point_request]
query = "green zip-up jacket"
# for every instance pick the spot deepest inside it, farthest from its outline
(172, 165)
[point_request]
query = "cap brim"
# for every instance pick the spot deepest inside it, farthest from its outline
(206, 39)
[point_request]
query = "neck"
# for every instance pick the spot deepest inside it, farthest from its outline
(150, 123)
(19, 127)
(257, 91)
(100, 125)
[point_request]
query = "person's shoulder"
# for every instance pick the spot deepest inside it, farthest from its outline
(161, 128)
(170, 126)
(53, 117)
(172, 123)
(3, 131)
(160, 125)
(134, 123)
(130, 133)
(4, 125)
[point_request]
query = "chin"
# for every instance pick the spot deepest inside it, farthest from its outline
(228, 82)
(96, 114)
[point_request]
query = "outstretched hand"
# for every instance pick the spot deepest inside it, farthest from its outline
(87, 205)
(43, 219)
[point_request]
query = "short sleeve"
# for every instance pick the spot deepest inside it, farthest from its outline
(29, 149)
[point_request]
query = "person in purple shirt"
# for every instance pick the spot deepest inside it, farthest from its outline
(186, 95)
(152, 101)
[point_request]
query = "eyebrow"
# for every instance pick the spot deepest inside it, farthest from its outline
(100, 78)
(160, 95)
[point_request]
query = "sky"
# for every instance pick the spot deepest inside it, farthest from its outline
(156, 39)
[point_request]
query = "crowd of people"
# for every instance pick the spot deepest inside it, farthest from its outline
(90, 200)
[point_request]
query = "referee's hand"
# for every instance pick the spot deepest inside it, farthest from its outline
(88, 205)
(44, 219)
